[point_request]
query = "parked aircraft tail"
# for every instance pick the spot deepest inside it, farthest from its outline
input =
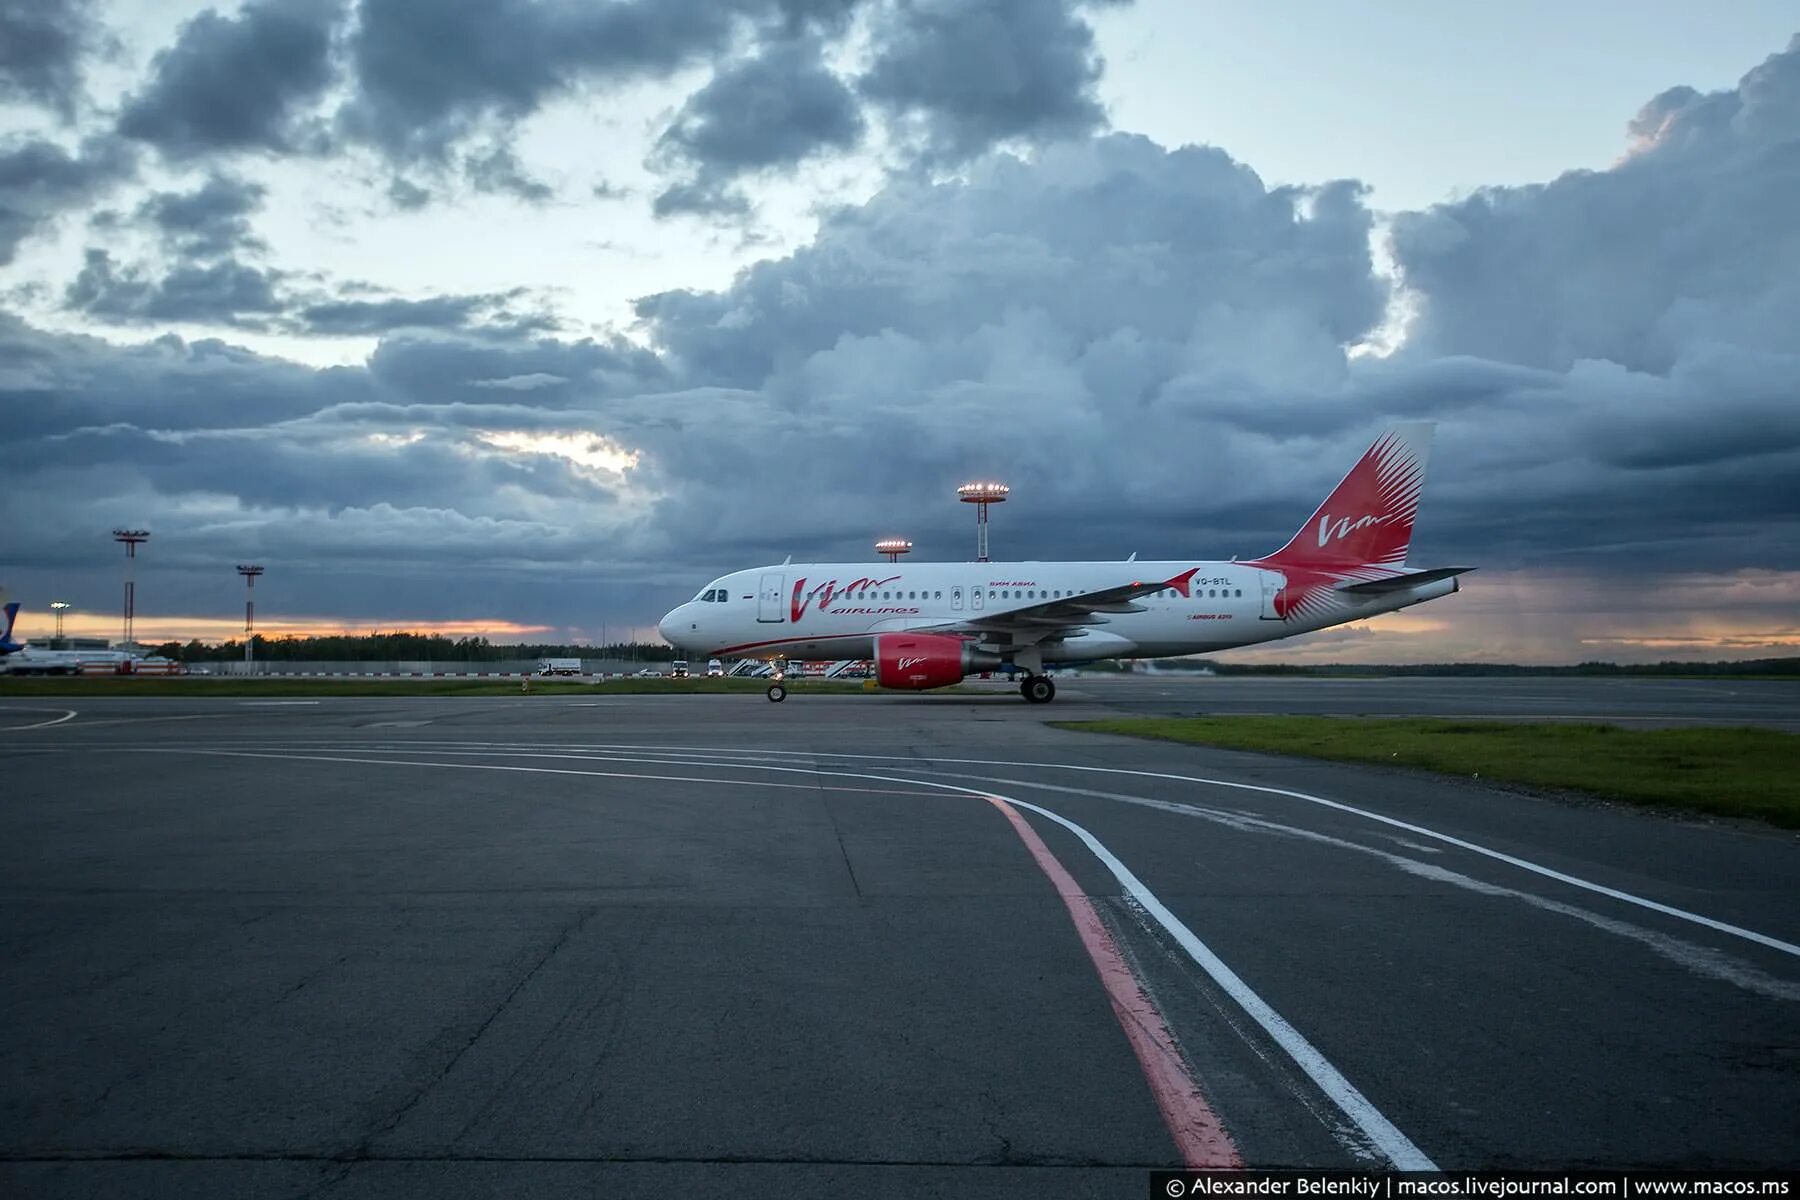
(7, 645)
(1367, 521)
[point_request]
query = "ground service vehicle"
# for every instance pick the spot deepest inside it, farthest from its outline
(559, 666)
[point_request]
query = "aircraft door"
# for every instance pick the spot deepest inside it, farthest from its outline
(955, 599)
(975, 597)
(768, 598)
(1272, 583)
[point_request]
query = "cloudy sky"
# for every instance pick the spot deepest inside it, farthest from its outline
(528, 317)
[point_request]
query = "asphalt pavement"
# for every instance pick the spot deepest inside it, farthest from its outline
(851, 945)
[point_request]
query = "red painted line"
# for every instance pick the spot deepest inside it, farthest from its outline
(1197, 1130)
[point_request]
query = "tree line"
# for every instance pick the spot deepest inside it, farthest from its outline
(404, 647)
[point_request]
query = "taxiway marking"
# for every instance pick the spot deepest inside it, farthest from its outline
(68, 714)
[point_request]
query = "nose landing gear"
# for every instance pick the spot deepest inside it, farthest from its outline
(1037, 689)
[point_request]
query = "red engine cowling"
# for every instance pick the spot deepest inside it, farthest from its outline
(921, 660)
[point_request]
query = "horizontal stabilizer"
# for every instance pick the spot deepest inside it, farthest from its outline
(1400, 583)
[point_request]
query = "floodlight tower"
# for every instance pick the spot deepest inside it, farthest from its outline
(131, 539)
(981, 495)
(893, 548)
(59, 607)
(249, 573)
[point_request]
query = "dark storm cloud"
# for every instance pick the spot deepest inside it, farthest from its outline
(236, 82)
(41, 49)
(40, 180)
(366, 488)
(452, 370)
(959, 76)
(1108, 239)
(1628, 338)
(427, 74)
(1151, 345)
(1693, 239)
(226, 292)
(54, 384)
(772, 110)
(337, 318)
(498, 171)
(209, 221)
(407, 195)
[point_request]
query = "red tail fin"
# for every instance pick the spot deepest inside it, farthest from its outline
(1367, 521)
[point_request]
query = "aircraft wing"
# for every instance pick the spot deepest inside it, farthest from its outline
(1066, 616)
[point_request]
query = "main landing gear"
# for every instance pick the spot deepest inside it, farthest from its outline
(1037, 689)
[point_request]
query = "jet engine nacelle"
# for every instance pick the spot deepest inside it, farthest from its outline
(926, 660)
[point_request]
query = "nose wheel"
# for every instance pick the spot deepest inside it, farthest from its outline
(1037, 689)
(777, 692)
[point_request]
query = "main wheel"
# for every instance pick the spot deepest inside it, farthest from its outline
(1038, 690)
(777, 692)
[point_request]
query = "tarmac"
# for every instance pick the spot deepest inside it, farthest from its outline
(859, 945)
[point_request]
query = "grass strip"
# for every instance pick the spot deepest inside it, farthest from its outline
(1725, 772)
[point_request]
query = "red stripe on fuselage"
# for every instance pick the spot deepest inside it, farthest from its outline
(793, 641)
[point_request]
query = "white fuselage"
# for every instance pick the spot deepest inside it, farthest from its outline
(836, 610)
(30, 660)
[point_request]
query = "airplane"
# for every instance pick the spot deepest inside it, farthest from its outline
(929, 625)
(19, 658)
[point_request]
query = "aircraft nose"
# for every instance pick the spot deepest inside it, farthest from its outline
(669, 627)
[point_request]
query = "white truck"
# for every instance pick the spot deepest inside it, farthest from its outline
(559, 666)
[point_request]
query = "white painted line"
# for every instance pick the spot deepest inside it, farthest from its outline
(1523, 864)
(147, 720)
(68, 714)
(912, 787)
(1395, 1146)
(1701, 960)
(272, 703)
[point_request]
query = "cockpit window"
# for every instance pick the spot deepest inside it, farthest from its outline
(707, 596)
(724, 593)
